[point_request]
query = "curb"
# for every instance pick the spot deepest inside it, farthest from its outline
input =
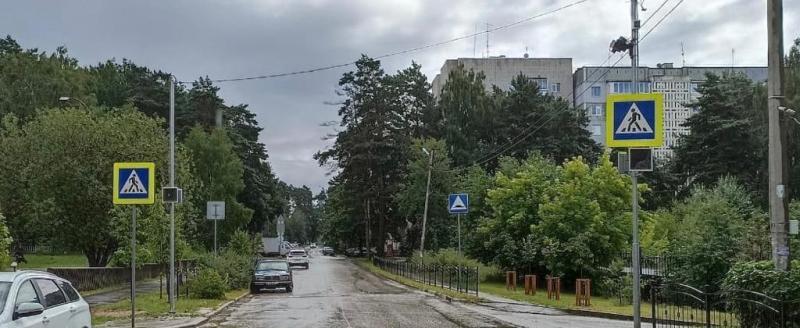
(208, 316)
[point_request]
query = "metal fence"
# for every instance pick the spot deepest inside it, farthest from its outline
(679, 305)
(456, 278)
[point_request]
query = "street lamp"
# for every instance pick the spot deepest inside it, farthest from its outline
(790, 112)
(65, 99)
(427, 196)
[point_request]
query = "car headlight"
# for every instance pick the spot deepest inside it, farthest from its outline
(284, 277)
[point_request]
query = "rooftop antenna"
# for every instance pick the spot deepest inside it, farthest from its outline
(526, 52)
(733, 57)
(475, 41)
(683, 56)
(487, 40)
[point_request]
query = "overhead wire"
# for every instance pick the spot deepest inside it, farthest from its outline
(396, 53)
(552, 114)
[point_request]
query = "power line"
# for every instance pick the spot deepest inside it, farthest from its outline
(498, 153)
(401, 52)
(661, 20)
(539, 120)
(654, 12)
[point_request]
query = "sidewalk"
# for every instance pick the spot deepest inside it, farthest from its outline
(122, 293)
(523, 314)
(174, 322)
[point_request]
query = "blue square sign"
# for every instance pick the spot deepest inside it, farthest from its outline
(134, 183)
(458, 203)
(635, 120)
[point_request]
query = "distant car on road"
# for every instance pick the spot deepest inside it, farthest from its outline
(298, 257)
(328, 251)
(313, 245)
(272, 274)
(40, 299)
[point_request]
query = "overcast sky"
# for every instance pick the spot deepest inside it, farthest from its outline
(235, 38)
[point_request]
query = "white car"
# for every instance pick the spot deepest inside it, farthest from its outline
(297, 257)
(35, 299)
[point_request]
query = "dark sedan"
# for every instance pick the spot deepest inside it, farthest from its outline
(271, 274)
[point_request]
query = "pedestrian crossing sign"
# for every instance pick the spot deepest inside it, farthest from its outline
(635, 120)
(134, 183)
(458, 203)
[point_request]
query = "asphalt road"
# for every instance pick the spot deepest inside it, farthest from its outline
(334, 292)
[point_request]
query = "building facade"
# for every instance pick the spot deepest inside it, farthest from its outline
(553, 75)
(678, 84)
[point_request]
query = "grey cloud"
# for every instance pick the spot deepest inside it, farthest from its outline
(252, 37)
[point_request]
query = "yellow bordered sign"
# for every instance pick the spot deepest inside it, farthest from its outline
(134, 183)
(635, 120)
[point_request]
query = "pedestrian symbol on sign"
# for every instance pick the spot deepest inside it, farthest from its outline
(634, 122)
(133, 185)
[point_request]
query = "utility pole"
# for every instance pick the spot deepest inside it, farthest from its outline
(427, 196)
(636, 257)
(778, 170)
(172, 280)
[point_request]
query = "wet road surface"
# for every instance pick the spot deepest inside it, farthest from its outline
(334, 292)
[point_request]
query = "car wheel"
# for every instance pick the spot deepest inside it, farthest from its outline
(289, 289)
(306, 266)
(254, 290)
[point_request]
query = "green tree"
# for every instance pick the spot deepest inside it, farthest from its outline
(62, 161)
(410, 198)
(728, 135)
(32, 80)
(584, 219)
(515, 201)
(5, 243)
(710, 232)
(220, 171)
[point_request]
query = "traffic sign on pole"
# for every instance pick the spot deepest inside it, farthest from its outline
(635, 120)
(134, 183)
(458, 203)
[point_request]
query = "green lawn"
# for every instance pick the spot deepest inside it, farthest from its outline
(150, 305)
(567, 301)
(36, 261)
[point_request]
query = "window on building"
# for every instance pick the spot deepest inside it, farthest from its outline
(597, 110)
(695, 87)
(597, 130)
(595, 91)
(555, 87)
(541, 82)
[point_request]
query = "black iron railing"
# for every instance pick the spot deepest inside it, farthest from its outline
(456, 278)
(679, 305)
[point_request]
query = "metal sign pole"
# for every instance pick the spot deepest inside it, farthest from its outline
(172, 278)
(459, 234)
(133, 267)
(215, 237)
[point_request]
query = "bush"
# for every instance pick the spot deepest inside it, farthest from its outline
(450, 257)
(235, 269)
(761, 277)
(208, 284)
(241, 243)
(5, 243)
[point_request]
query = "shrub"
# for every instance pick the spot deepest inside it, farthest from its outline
(235, 269)
(450, 257)
(761, 277)
(241, 243)
(208, 284)
(5, 243)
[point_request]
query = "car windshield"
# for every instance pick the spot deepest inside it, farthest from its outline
(297, 253)
(4, 288)
(263, 266)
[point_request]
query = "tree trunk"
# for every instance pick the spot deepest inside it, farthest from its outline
(97, 257)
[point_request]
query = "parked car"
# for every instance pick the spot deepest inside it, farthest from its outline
(272, 274)
(356, 252)
(40, 299)
(313, 245)
(298, 257)
(328, 251)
